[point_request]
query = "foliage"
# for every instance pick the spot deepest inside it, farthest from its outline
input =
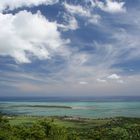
(50, 129)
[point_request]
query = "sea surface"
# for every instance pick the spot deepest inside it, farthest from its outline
(86, 107)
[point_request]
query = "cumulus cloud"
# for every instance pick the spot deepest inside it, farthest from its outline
(13, 4)
(114, 76)
(25, 34)
(111, 6)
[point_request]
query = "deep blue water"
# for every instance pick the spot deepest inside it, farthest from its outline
(93, 107)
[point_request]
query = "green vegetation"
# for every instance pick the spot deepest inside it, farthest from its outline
(68, 128)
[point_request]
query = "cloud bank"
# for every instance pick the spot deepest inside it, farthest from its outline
(50, 46)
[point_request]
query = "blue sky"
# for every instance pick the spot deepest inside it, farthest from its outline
(69, 47)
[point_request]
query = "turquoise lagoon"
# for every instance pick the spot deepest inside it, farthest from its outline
(79, 107)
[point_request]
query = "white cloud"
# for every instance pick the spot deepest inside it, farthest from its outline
(77, 9)
(128, 42)
(111, 6)
(25, 34)
(72, 24)
(13, 4)
(83, 12)
(79, 59)
(83, 83)
(101, 80)
(94, 19)
(114, 76)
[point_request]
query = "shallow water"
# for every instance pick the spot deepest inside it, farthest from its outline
(93, 108)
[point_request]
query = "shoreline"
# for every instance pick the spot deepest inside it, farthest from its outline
(66, 117)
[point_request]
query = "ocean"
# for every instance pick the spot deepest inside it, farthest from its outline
(86, 107)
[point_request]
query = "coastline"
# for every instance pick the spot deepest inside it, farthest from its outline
(79, 107)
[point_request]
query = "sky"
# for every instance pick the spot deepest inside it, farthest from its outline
(70, 48)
